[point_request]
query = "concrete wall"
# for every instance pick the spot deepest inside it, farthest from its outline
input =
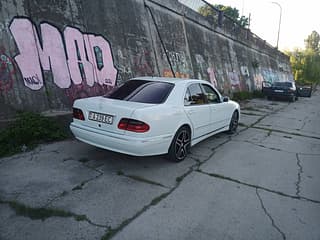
(55, 51)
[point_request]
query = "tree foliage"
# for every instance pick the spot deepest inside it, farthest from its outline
(305, 63)
(312, 41)
(231, 12)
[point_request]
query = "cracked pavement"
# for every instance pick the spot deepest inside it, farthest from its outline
(260, 183)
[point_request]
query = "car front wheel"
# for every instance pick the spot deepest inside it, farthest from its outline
(234, 122)
(180, 145)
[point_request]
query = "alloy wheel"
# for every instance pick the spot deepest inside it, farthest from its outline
(234, 123)
(182, 144)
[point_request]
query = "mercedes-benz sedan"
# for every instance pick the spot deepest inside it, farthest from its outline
(152, 116)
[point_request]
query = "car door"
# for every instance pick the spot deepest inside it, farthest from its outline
(219, 110)
(197, 110)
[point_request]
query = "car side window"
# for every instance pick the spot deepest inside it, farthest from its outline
(187, 98)
(194, 95)
(211, 95)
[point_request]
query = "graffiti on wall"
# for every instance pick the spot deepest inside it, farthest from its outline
(177, 59)
(201, 65)
(83, 90)
(168, 73)
(137, 55)
(234, 81)
(179, 64)
(212, 76)
(142, 63)
(244, 71)
(71, 56)
(7, 71)
(269, 75)
(246, 77)
(124, 69)
(258, 79)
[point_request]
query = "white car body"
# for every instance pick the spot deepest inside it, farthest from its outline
(164, 120)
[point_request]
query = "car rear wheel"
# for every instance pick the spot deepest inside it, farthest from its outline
(292, 98)
(234, 122)
(180, 145)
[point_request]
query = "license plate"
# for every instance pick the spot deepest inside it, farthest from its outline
(278, 90)
(100, 117)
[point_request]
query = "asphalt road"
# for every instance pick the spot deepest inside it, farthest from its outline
(261, 183)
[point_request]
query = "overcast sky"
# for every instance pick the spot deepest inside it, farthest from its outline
(299, 19)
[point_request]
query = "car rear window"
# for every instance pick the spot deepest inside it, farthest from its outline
(142, 91)
(282, 84)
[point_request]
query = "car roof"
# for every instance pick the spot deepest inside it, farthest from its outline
(283, 82)
(170, 80)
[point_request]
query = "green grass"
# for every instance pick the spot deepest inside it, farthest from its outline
(27, 132)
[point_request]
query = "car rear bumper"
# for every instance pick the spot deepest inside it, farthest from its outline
(281, 94)
(122, 143)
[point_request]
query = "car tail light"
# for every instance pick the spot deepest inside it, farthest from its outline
(133, 125)
(78, 114)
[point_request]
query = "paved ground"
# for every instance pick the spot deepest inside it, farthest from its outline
(262, 183)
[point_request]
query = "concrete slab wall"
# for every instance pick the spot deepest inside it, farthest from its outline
(55, 51)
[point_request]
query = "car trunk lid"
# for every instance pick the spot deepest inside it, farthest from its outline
(104, 113)
(282, 87)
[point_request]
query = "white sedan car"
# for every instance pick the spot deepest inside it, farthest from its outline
(152, 116)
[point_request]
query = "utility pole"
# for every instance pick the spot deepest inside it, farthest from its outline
(279, 22)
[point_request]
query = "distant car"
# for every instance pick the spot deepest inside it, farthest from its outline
(152, 116)
(285, 90)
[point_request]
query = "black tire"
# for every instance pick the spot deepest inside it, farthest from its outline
(234, 122)
(180, 145)
(292, 99)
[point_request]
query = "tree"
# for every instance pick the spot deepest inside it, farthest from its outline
(305, 63)
(297, 64)
(313, 41)
(233, 13)
(244, 21)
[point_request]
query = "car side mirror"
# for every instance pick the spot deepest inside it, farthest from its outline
(225, 99)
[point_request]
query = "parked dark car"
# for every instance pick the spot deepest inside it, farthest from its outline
(304, 91)
(283, 90)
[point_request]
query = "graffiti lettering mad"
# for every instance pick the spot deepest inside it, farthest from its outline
(72, 57)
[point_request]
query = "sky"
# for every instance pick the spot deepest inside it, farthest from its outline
(299, 18)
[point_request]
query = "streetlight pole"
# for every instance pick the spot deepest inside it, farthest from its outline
(279, 21)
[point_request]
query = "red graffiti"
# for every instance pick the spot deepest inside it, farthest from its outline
(7, 71)
(83, 91)
(168, 73)
(143, 63)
